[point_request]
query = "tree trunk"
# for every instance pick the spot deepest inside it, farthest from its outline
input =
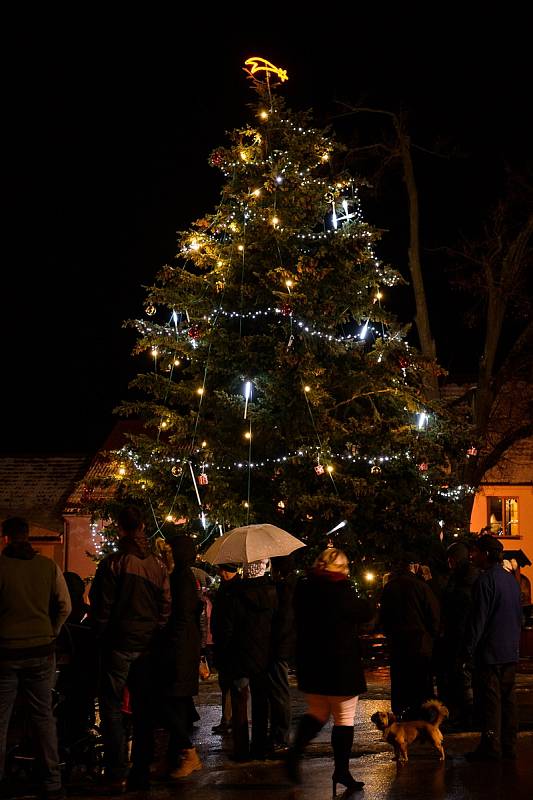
(427, 343)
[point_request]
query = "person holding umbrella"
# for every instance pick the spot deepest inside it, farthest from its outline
(329, 665)
(244, 629)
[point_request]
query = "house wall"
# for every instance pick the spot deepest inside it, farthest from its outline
(524, 494)
(78, 538)
(45, 541)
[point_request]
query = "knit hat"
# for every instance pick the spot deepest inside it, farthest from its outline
(255, 569)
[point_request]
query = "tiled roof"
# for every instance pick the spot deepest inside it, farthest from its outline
(102, 466)
(512, 408)
(516, 466)
(37, 487)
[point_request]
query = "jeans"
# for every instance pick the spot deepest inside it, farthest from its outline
(280, 702)
(35, 678)
(118, 670)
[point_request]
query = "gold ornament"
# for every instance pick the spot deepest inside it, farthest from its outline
(150, 310)
(177, 470)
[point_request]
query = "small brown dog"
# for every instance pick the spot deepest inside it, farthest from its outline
(401, 734)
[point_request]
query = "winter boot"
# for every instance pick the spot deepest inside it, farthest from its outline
(308, 727)
(190, 762)
(341, 741)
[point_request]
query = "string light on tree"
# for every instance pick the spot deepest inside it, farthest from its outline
(329, 339)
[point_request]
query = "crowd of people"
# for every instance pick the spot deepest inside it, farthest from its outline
(150, 620)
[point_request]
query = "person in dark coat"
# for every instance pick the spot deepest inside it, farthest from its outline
(244, 649)
(454, 676)
(221, 599)
(409, 616)
(492, 645)
(77, 678)
(130, 604)
(177, 661)
(329, 664)
(282, 653)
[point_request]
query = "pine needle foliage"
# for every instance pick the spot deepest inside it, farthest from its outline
(280, 286)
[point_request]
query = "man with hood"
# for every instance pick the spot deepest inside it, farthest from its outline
(34, 604)
(454, 676)
(130, 604)
(245, 633)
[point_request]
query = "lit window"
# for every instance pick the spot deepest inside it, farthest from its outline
(502, 515)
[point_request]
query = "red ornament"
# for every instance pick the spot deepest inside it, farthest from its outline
(319, 469)
(403, 362)
(472, 451)
(217, 158)
(423, 467)
(194, 332)
(202, 479)
(286, 310)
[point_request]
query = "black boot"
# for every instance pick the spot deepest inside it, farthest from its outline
(308, 727)
(341, 741)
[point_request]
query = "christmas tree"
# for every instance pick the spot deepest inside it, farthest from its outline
(282, 389)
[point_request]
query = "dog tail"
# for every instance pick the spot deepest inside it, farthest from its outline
(438, 711)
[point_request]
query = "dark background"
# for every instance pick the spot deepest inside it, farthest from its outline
(109, 127)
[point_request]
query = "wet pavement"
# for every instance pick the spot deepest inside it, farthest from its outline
(424, 776)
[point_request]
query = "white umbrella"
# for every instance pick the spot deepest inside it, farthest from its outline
(251, 543)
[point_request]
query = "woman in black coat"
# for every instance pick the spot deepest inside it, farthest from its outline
(177, 661)
(328, 661)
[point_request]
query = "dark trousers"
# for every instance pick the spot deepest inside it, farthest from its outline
(121, 669)
(225, 690)
(497, 703)
(454, 682)
(176, 717)
(280, 702)
(258, 686)
(35, 679)
(411, 684)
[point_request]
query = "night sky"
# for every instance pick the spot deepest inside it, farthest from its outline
(110, 125)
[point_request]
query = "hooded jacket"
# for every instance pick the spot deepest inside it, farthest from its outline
(34, 602)
(130, 596)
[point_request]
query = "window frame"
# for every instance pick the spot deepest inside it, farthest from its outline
(505, 521)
